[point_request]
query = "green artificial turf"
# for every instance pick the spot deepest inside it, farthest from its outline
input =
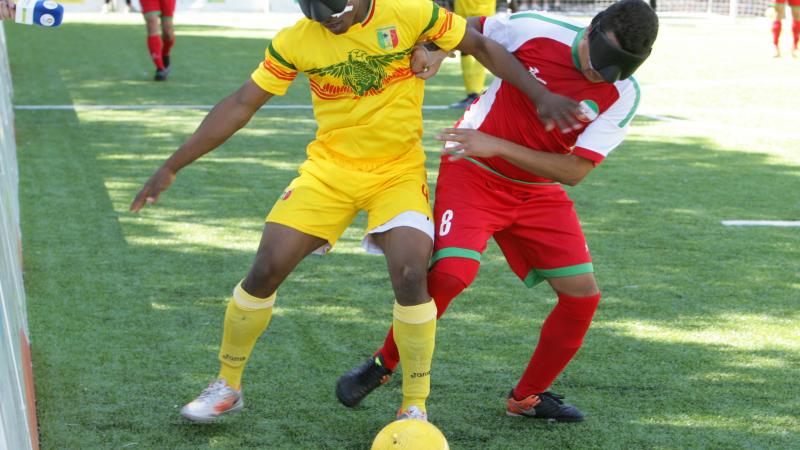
(696, 343)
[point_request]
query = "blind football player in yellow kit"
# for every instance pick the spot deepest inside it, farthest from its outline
(367, 155)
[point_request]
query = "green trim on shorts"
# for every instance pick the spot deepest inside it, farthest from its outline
(152, 13)
(166, 17)
(484, 166)
(536, 276)
(455, 252)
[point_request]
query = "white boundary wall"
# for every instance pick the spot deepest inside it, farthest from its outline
(15, 379)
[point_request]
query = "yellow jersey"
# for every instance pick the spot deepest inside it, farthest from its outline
(367, 102)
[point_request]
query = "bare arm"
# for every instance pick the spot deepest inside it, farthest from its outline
(225, 119)
(553, 109)
(566, 169)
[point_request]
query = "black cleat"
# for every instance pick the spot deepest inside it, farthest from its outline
(356, 384)
(166, 61)
(161, 75)
(465, 102)
(547, 405)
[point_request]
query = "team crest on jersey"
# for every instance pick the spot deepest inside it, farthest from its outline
(387, 37)
(361, 73)
(589, 110)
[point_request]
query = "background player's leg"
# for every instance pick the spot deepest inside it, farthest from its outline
(167, 30)
(795, 30)
(408, 251)
(154, 42)
(168, 37)
(780, 13)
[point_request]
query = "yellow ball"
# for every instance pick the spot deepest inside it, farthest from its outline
(411, 434)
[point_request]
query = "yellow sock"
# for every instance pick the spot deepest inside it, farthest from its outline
(474, 74)
(415, 335)
(245, 320)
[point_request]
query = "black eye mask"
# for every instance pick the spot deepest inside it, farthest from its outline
(321, 10)
(610, 60)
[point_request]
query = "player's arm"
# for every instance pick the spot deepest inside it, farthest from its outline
(553, 109)
(7, 9)
(225, 119)
(566, 169)
(427, 57)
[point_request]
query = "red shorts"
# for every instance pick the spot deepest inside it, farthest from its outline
(535, 226)
(165, 8)
(792, 3)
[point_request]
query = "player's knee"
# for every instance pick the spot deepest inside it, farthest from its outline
(262, 280)
(409, 283)
(584, 285)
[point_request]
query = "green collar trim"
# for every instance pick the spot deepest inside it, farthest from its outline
(575, 58)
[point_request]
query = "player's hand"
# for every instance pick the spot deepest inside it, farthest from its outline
(425, 63)
(461, 142)
(157, 184)
(558, 111)
(7, 9)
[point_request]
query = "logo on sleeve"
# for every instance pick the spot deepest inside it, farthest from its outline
(387, 37)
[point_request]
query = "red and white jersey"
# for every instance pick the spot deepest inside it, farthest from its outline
(547, 45)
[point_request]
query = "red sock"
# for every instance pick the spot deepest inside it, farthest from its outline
(776, 32)
(795, 33)
(443, 288)
(168, 43)
(561, 337)
(155, 45)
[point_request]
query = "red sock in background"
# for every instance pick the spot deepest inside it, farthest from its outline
(168, 43)
(561, 337)
(156, 47)
(795, 33)
(776, 32)
(443, 288)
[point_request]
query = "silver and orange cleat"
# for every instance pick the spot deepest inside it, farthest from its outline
(216, 399)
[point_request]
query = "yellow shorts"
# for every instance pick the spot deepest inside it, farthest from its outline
(331, 190)
(470, 8)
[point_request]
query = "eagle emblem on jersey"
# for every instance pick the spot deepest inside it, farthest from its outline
(361, 72)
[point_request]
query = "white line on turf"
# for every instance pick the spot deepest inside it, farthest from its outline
(161, 107)
(761, 223)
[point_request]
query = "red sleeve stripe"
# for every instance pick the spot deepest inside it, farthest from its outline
(448, 23)
(278, 72)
